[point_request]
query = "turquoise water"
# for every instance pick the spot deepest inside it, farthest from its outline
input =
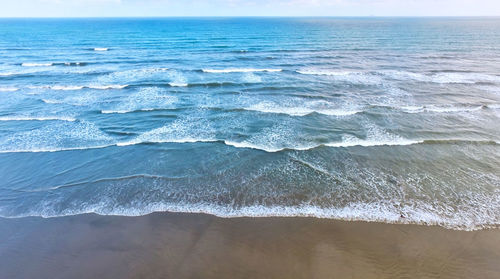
(376, 119)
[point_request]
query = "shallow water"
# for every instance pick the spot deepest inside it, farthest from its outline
(378, 119)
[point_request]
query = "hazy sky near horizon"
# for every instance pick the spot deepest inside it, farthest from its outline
(124, 8)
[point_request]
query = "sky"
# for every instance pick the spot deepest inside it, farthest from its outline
(139, 8)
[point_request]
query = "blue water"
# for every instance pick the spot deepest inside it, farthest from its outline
(376, 119)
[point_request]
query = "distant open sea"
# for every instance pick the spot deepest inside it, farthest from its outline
(376, 119)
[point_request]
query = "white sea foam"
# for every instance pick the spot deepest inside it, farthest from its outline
(29, 118)
(66, 87)
(6, 74)
(179, 131)
(251, 78)
(375, 136)
(178, 84)
(51, 101)
(56, 136)
(134, 75)
(100, 49)
(382, 211)
(239, 70)
(376, 77)
(147, 98)
(328, 73)
(125, 111)
(404, 75)
(104, 87)
(349, 142)
(440, 108)
(464, 78)
(346, 76)
(54, 149)
(8, 89)
(305, 109)
(36, 64)
(78, 87)
(269, 147)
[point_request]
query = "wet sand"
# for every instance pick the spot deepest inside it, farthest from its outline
(174, 245)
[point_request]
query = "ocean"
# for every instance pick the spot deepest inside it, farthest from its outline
(377, 119)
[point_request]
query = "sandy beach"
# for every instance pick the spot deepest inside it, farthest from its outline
(179, 245)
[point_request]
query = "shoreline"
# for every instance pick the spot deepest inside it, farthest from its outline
(195, 245)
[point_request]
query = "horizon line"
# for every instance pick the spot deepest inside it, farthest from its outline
(256, 16)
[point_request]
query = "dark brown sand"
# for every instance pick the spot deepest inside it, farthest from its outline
(171, 245)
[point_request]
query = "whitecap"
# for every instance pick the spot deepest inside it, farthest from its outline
(147, 98)
(43, 118)
(125, 111)
(36, 64)
(239, 70)
(8, 89)
(305, 109)
(350, 142)
(346, 76)
(100, 49)
(51, 101)
(133, 75)
(56, 136)
(327, 73)
(441, 108)
(375, 136)
(66, 87)
(6, 74)
(188, 130)
(104, 87)
(464, 78)
(177, 84)
(443, 77)
(268, 147)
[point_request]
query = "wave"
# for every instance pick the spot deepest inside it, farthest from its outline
(173, 140)
(6, 74)
(104, 87)
(58, 136)
(346, 76)
(50, 101)
(341, 144)
(460, 141)
(71, 64)
(78, 87)
(8, 89)
(178, 84)
(303, 147)
(65, 87)
(249, 145)
(27, 118)
(327, 73)
(358, 142)
(125, 111)
(269, 148)
(239, 70)
(464, 78)
(267, 107)
(101, 49)
(36, 64)
(134, 75)
(376, 76)
(383, 211)
(442, 109)
(56, 149)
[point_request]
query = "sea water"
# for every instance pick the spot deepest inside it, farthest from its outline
(375, 119)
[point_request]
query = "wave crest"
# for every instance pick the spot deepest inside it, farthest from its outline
(239, 70)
